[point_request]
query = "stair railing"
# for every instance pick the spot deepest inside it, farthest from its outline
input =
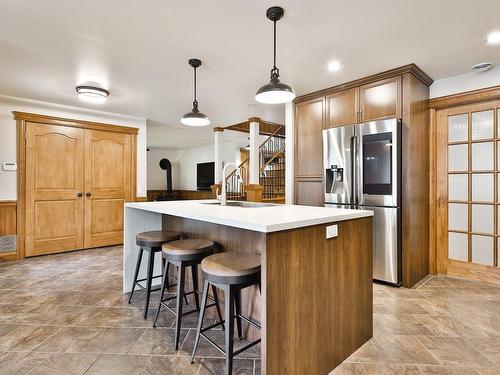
(269, 151)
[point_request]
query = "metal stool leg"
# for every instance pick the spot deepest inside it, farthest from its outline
(229, 313)
(180, 298)
(237, 302)
(149, 280)
(194, 273)
(164, 284)
(217, 306)
(136, 273)
(200, 319)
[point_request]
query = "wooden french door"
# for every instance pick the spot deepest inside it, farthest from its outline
(77, 181)
(54, 188)
(468, 191)
(107, 186)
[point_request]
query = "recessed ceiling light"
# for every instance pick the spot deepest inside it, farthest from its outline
(334, 66)
(493, 37)
(92, 94)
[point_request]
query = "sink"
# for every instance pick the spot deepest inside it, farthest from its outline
(243, 204)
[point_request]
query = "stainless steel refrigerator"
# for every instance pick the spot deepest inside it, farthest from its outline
(362, 170)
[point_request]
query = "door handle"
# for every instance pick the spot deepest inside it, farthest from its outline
(88, 194)
(79, 195)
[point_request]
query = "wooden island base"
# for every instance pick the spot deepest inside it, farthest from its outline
(317, 298)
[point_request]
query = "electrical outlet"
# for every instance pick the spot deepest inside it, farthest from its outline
(332, 231)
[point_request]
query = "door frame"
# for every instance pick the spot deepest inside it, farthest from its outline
(486, 95)
(24, 117)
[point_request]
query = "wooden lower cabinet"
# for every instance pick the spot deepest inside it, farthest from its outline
(309, 192)
(77, 181)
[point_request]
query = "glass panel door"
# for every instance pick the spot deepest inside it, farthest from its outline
(473, 186)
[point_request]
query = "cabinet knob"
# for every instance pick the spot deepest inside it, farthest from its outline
(79, 194)
(88, 194)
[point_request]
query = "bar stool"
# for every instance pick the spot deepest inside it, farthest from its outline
(150, 242)
(230, 272)
(183, 254)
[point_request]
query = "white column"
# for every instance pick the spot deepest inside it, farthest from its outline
(289, 149)
(253, 167)
(218, 155)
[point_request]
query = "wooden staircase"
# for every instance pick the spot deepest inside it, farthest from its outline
(271, 171)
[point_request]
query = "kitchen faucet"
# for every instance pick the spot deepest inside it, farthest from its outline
(223, 199)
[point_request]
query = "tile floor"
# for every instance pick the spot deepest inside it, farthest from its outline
(65, 314)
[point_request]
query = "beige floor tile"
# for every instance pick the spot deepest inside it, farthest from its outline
(454, 351)
(447, 370)
(69, 340)
(116, 364)
(26, 338)
(397, 306)
(20, 363)
(215, 366)
(171, 365)
(406, 350)
(65, 364)
(390, 324)
(157, 341)
(375, 369)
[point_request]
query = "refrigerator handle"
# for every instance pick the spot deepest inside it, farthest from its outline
(353, 170)
(355, 173)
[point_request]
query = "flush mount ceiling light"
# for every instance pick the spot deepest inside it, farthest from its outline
(275, 92)
(92, 94)
(334, 66)
(493, 38)
(482, 67)
(195, 117)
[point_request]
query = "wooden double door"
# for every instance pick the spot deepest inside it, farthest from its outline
(77, 181)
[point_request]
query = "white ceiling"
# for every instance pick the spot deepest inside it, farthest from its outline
(139, 51)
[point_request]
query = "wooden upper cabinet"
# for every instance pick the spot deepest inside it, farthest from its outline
(379, 100)
(309, 123)
(342, 108)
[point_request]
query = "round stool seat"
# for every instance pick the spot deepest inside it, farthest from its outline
(156, 238)
(231, 268)
(187, 250)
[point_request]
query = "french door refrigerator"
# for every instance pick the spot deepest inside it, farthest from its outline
(362, 170)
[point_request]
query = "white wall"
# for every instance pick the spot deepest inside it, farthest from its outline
(8, 183)
(465, 82)
(157, 179)
(184, 164)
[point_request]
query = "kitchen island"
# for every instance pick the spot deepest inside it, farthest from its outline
(316, 303)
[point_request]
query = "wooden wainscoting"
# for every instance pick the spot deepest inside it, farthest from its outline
(8, 218)
(181, 194)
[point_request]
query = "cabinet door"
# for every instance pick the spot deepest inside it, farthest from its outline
(342, 108)
(309, 192)
(309, 120)
(54, 186)
(108, 162)
(380, 99)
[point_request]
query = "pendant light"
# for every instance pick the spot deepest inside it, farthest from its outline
(195, 117)
(275, 92)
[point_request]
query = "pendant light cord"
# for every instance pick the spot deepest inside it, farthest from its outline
(195, 85)
(274, 67)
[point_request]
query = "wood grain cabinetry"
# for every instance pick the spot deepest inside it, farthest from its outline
(342, 108)
(402, 93)
(74, 178)
(381, 99)
(309, 192)
(310, 117)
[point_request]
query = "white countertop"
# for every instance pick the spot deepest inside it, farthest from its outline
(261, 219)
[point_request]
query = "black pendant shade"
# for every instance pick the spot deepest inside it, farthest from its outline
(275, 92)
(195, 117)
